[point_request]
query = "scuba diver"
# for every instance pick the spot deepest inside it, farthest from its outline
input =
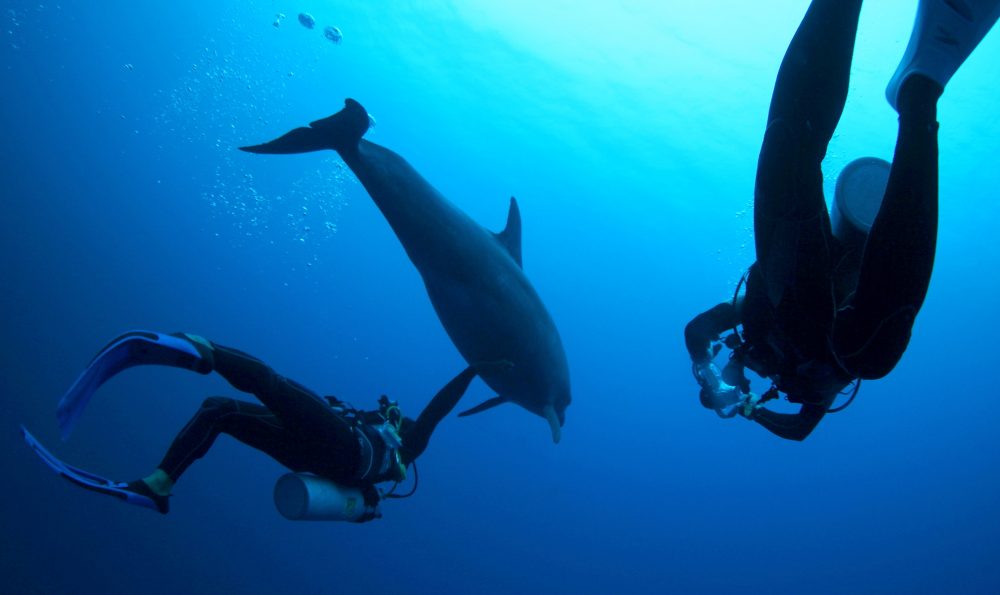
(338, 454)
(827, 305)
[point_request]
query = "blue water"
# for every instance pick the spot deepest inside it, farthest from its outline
(629, 134)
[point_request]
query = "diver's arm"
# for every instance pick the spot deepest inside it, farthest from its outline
(706, 328)
(699, 336)
(791, 426)
(416, 439)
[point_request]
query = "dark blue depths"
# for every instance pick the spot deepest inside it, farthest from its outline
(125, 206)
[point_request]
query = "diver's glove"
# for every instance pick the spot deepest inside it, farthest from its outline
(749, 405)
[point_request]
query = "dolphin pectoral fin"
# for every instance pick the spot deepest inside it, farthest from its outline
(489, 404)
(300, 140)
(510, 237)
(553, 419)
(342, 130)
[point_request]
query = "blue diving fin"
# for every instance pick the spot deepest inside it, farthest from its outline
(89, 481)
(134, 348)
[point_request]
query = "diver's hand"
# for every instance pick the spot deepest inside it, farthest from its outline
(715, 391)
(749, 405)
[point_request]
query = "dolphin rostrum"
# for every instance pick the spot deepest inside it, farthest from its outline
(474, 277)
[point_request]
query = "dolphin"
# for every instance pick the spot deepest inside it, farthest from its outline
(473, 277)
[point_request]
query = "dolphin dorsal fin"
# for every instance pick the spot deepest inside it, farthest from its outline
(510, 237)
(489, 404)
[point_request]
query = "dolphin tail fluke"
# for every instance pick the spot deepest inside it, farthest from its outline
(300, 140)
(489, 404)
(341, 131)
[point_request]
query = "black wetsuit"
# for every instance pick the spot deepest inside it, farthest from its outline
(818, 313)
(295, 426)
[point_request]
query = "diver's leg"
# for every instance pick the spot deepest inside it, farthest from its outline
(899, 254)
(299, 409)
(252, 423)
(812, 82)
(296, 404)
(791, 222)
(257, 427)
(808, 99)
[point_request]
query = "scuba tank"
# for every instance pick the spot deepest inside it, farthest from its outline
(857, 199)
(307, 497)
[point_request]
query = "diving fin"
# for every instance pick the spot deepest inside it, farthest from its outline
(130, 493)
(488, 404)
(944, 34)
(134, 348)
(342, 130)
